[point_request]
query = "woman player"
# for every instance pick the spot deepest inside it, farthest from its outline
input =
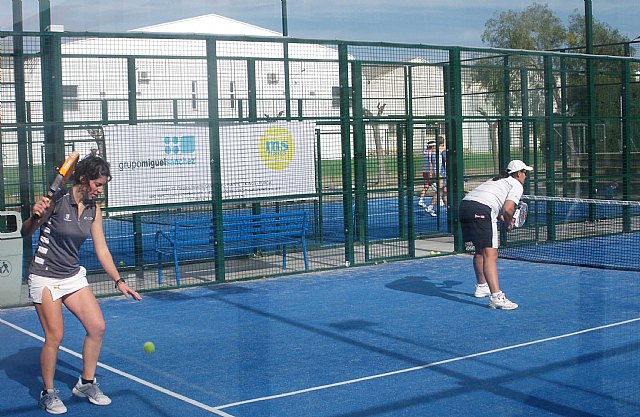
(56, 277)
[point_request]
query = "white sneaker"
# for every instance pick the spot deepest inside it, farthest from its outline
(92, 392)
(430, 210)
(421, 203)
(501, 302)
(51, 402)
(482, 291)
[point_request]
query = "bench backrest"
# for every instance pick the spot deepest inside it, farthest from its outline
(192, 232)
(240, 228)
(271, 225)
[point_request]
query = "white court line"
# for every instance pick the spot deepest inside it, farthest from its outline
(429, 365)
(141, 381)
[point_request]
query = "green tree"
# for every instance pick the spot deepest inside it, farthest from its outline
(534, 28)
(607, 40)
(538, 28)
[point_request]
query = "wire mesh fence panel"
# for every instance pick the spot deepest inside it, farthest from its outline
(572, 231)
(210, 127)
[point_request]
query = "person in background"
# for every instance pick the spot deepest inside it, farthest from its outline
(56, 277)
(480, 211)
(428, 170)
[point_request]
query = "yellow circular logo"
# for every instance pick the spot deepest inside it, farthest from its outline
(277, 148)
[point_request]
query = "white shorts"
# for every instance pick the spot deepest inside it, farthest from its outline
(59, 287)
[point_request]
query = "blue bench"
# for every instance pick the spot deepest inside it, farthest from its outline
(241, 234)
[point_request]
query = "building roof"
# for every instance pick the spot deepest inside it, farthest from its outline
(210, 24)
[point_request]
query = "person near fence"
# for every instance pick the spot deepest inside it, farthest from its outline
(481, 209)
(56, 277)
(440, 197)
(428, 169)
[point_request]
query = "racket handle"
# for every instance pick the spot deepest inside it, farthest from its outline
(36, 213)
(55, 186)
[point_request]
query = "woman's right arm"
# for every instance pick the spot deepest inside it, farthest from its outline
(44, 206)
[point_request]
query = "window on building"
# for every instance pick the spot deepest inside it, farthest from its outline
(273, 78)
(232, 96)
(70, 98)
(144, 77)
(194, 98)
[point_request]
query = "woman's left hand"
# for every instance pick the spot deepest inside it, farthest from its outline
(128, 291)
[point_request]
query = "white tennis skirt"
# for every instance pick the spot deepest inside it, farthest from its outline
(59, 287)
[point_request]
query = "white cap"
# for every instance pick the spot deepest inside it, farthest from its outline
(517, 165)
(431, 143)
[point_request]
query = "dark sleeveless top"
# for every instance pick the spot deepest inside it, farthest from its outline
(61, 237)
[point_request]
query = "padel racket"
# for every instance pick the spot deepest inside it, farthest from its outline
(520, 215)
(64, 173)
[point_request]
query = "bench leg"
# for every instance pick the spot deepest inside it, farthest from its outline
(304, 254)
(284, 256)
(159, 268)
(177, 268)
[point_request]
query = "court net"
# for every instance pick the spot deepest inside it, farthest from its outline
(574, 231)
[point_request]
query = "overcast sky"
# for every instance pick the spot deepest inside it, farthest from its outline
(434, 22)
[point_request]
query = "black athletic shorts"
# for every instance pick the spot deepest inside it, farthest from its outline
(477, 225)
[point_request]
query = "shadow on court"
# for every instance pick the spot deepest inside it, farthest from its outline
(445, 289)
(24, 368)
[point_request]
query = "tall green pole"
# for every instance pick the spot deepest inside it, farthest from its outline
(588, 26)
(591, 102)
(285, 31)
(51, 68)
(21, 121)
(44, 15)
(21, 115)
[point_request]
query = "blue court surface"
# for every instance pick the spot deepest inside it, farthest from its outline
(396, 339)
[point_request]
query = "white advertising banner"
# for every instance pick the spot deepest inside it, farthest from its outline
(158, 164)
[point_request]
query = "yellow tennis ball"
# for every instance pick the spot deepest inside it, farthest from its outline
(432, 253)
(149, 347)
(438, 253)
(121, 263)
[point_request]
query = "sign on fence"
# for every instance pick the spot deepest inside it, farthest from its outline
(157, 164)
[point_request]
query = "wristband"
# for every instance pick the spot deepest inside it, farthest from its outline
(118, 282)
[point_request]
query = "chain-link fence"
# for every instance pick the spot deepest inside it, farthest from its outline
(214, 127)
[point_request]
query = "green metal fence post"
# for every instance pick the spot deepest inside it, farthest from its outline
(138, 246)
(408, 192)
(318, 214)
(52, 100)
(21, 116)
(455, 162)
(214, 148)
(345, 132)
(565, 129)
(626, 141)
(253, 93)
(526, 128)
(287, 78)
(549, 146)
(360, 158)
(132, 85)
(405, 189)
(504, 139)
